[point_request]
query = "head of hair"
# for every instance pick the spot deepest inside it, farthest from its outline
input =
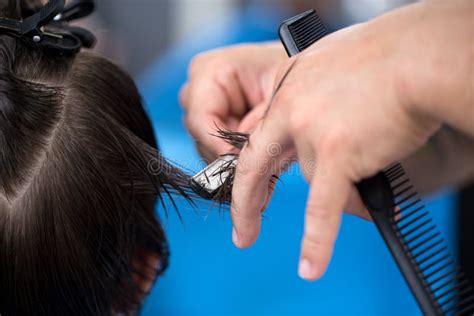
(77, 198)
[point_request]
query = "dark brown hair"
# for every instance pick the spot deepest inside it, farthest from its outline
(77, 217)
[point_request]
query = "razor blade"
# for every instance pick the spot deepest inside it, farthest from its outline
(208, 181)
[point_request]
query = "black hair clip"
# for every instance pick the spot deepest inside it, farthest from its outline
(49, 27)
(75, 10)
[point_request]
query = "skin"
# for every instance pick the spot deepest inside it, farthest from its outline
(240, 80)
(353, 103)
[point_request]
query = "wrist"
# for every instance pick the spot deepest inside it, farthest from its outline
(434, 60)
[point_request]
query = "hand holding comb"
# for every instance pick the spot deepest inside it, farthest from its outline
(438, 284)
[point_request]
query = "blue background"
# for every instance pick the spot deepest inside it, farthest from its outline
(208, 276)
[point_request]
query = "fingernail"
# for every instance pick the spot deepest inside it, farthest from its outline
(305, 269)
(235, 237)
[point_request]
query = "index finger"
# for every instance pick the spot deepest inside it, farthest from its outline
(256, 165)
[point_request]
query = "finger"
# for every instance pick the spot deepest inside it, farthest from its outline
(221, 93)
(210, 153)
(207, 155)
(184, 96)
(203, 127)
(253, 172)
(219, 101)
(282, 164)
(329, 194)
(228, 82)
(251, 119)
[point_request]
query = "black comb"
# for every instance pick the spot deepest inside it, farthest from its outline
(436, 281)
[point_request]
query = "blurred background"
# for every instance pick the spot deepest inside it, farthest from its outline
(155, 41)
(137, 32)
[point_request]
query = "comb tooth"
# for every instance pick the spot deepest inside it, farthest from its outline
(304, 42)
(396, 175)
(466, 310)
(408, 216)
(424, 241)
(452, 298)
(393, 167)
(405, 190)
(407, 198)
(432, 255)
(307, 31)
(423, 233)
(446, 283)
(452, 309)
(298, 28)
(458, 286)
(391, 171)
(437, 270)
(310, 21)
(428, 248)
(456, 270)
(467, 290)
(415, 229)
(308, 26)
(395, 164)
(460, 304)
(405, 217)
(402, 227)
(306, 35)
(396, 186)
(437, 261)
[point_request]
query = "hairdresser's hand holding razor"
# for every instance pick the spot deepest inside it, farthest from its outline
(229, 88)
(352, 104)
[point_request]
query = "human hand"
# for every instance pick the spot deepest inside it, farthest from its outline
(344, 109)
(229, 88)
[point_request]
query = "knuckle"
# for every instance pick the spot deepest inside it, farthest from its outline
(298, 122)
(227, 72)
(317, 215)
(197, 62)
(254, 161)
(244, 167)
(183, 94)
(318, 222)
(244, 217)
(334, 141)
(191, 125)
(208, 61)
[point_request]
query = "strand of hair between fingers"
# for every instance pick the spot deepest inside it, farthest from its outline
(278, 87)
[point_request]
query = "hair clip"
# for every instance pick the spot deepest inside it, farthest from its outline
(75, 10)
(48, 27)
